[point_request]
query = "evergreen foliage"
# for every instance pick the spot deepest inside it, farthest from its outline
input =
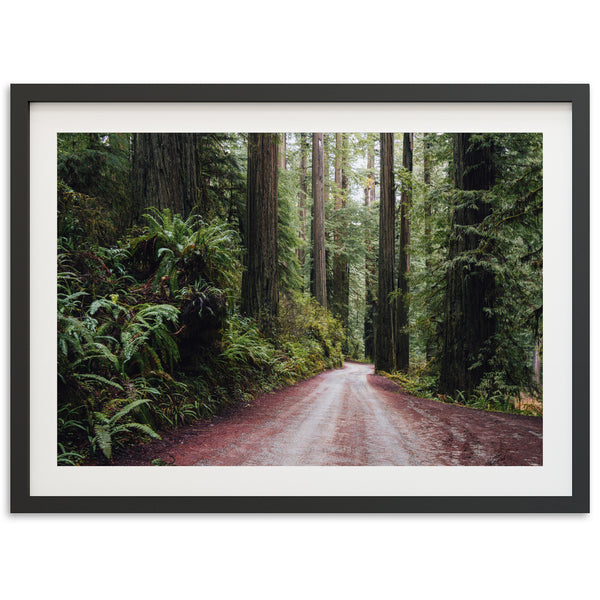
(150, 333)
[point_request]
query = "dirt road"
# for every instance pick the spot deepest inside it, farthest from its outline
(351, 417)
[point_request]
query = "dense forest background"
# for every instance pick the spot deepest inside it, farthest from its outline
(196, 270)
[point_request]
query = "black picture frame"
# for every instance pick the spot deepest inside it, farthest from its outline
(22, 95)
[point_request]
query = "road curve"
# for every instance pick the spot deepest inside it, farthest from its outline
(349, 416)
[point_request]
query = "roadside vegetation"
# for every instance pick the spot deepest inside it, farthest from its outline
(495, 398)
(196, 270)
(150, 335)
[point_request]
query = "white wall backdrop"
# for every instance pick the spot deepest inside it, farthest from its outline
(171, 556)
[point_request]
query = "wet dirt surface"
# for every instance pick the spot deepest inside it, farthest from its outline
(349, 416)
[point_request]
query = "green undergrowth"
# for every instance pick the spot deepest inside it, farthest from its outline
(420, 382)
(150, 337)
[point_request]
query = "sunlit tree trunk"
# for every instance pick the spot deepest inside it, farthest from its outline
(260, 286)
(384, 332)
(537, 362)
(282, 151)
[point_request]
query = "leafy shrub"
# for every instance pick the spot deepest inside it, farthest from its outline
(303, 319)
(185, 254)
(106, 428)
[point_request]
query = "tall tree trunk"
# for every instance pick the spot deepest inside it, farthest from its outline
(427, 195)
(403, 300)
(370, 183)
(469, 322)
(370, 266)
(338, 169)
(260, 285)
(327, 185)
(384, 333)
(302, 195)
(320, 288)
(344, 268)
(165, 172)
(340, 285)
(326, 180)
(428, 216)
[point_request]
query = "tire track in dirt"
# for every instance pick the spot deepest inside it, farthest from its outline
(350, 416)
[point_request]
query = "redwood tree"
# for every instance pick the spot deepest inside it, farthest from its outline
(260, 285)
(384, 332)
(469, 322)
(341, 276)
(403, 298)
(370, 266)
(165, 172)
(427, 164)
(318, 226)
(282, 152)
(302, 196)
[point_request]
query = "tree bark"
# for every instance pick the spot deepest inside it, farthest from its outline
(282, 151)
(370, 266)
(384, 333)
(428, 216)
(370, 183)
(536, 365)
(403, 299)
(165, 172)
(260, 285)
(341, 280)
(320, 288)
(469, 322)
(302, 195)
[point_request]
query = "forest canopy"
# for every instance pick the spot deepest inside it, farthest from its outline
(195, 270)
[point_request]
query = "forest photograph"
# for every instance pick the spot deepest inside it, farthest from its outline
(298, 299)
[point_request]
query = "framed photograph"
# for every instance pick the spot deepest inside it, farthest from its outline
(300, 298)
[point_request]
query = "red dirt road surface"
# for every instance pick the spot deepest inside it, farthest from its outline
(350, 416)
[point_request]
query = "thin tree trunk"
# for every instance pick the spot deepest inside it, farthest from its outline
(338, 169)
(403, 300)
(370, 266)
(537, 362)
(282, 151)
(340, 288)
(384, 333)
(428, 216)
(327, 186)
(370, 183)
(302, 197)
(260, 289)
(320, 288)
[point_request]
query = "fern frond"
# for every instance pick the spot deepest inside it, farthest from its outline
(127, 409)
(144, 428)
(99, 378)
(103, 439)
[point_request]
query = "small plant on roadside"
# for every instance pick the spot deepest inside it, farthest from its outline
(107, 428)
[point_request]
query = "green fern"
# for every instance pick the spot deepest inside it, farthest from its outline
(105, 428)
